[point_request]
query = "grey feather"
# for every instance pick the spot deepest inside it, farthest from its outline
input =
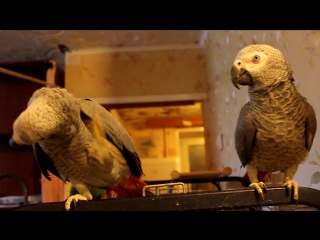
(79, 141)
(245, 135)
(276, 128)
(115, 133)
(44, 162)
(311, 125)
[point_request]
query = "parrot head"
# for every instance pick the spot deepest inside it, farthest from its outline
(260, 66)
(52, 114)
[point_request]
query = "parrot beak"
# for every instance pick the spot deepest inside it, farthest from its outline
(235, 76)
(240, 76)
(12, 143)
(15, 141)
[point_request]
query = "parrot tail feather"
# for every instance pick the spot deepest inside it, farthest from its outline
(129, 187)
(262, 177)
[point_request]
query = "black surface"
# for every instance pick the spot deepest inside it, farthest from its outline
(231, 199)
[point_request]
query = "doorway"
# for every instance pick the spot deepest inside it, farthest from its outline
(166, 136)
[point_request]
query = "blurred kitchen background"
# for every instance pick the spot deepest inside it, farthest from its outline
(171, 89)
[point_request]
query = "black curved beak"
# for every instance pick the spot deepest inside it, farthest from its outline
(235, 76)
(240, 77)
(12, 143)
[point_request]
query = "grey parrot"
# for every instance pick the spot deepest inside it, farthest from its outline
(276, 128)
(79, 141)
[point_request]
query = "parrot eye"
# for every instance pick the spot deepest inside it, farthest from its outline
(256, 58)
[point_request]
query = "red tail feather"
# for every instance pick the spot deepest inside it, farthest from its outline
(261, 178)
(129, 187)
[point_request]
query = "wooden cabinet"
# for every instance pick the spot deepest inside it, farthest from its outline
(14, 96)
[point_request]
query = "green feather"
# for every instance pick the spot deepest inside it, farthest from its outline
(96, 193)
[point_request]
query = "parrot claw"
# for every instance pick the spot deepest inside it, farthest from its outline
(74, 199)
(292, 183)
(259, 188)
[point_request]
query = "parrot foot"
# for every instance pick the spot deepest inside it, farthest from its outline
(292, 183)
(74, 199)
(259, 188)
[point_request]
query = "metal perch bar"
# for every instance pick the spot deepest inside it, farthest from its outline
(214, 177)
(231, 199)
(201, 174)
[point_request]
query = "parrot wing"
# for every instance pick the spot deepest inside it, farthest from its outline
(44, 162)
(115, 133)
(245, 135)
(311, 125)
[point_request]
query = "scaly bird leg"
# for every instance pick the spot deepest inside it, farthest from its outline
(84, 194)
(289, 182)
(255, 184)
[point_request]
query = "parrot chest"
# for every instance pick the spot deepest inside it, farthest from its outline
(280, 138)
(83, 161)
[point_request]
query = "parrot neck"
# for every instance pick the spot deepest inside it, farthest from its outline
(276, 90)
(274, 98)
(265, 89)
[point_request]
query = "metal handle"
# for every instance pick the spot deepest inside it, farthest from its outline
(157, 186)
(23, 184)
